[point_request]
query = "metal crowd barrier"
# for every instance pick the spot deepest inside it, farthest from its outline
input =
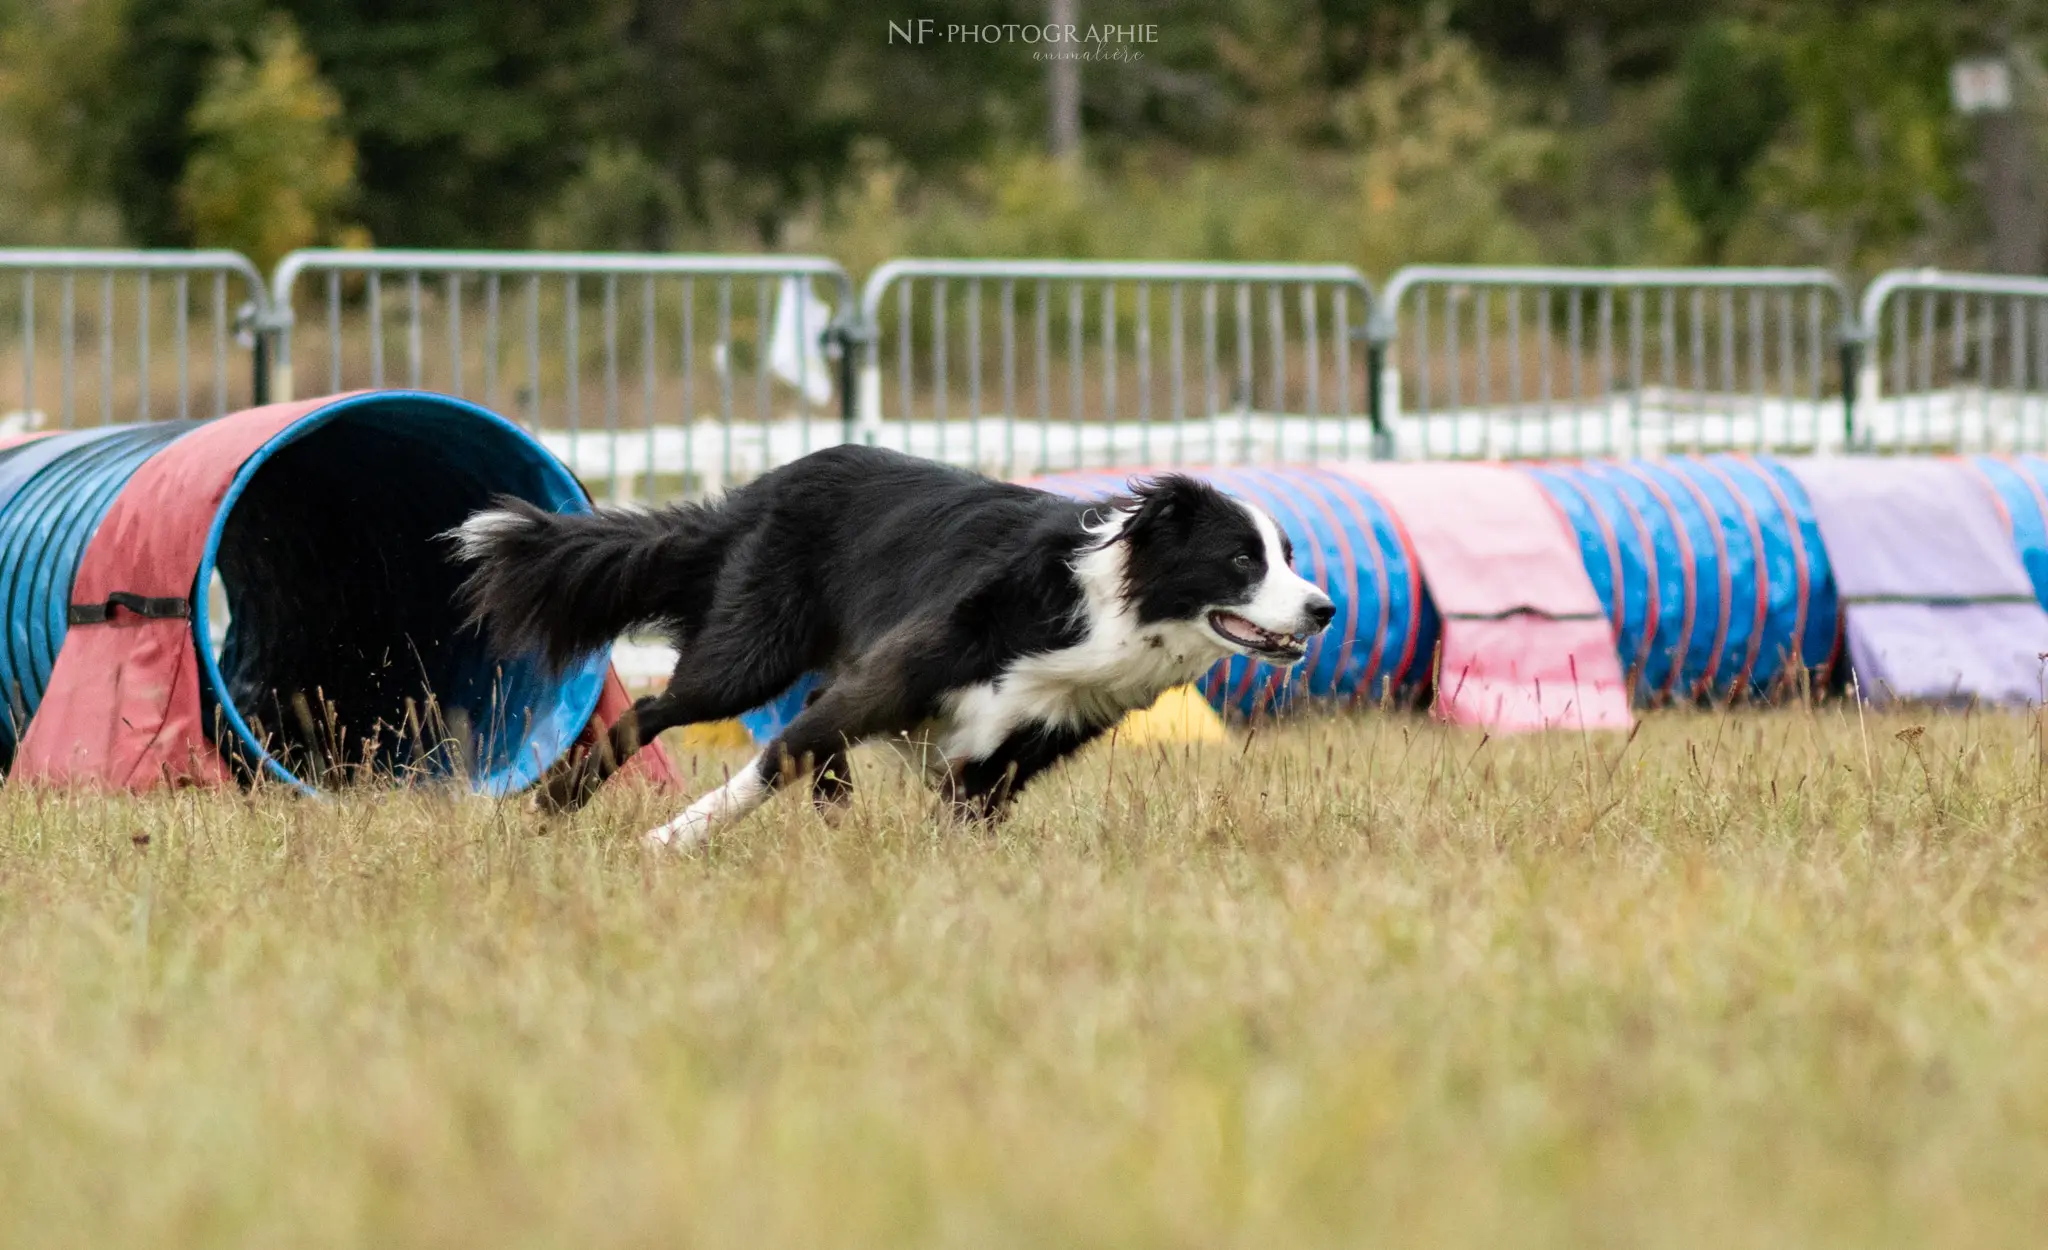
(1957, 362)
(656, 375)
(106, 336)
(1524, 362)
(1017, 366)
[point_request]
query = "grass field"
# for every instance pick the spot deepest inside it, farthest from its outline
(1759, 979)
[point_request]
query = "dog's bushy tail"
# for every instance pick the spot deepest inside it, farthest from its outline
(566, 584)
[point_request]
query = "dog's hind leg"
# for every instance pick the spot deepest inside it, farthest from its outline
(572, 782)
(831, 777)
(717, 676)
(813, 741)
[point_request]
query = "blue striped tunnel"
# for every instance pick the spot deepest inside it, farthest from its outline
(1712, 571)
(2020, 484)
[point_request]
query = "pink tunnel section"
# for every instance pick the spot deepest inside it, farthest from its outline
(122, 708)
(1526, 641)
(652, 766)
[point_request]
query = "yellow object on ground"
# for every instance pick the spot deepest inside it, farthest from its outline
(717, 735)
(1180, 715)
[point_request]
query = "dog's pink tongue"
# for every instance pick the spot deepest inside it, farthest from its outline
(1239, 628)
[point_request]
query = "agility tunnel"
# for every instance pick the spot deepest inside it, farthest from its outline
(1348, 542)
(268, 594)
(1712, 570)
(314, 529)
(1525, 642)
(1573, 590)
(1709, 571)
(1938, 602)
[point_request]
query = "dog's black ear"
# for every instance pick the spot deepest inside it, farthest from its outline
(1165, 502)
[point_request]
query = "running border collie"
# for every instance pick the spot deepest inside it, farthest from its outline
(999, 626)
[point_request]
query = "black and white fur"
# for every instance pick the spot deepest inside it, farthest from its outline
(1001, 625)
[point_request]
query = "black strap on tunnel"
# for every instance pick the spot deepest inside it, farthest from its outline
(1524, 610)
(153, 609)
(1939, 601)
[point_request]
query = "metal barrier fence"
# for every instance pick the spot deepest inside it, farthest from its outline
(724, 365)
(102, 336)
(657, 376)
(1506, 363)
(1016, 367)
(1957, 362)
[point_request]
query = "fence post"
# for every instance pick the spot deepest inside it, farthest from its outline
(1383, 380)
(1854, 346)
(259, 369)
(867, 396)
(270, 361)
(249, 328)
(850, 338)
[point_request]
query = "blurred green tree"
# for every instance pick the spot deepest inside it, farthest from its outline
(1440, 153)
(469, 115)
(1868, 170)
(1816, 130)
(466, 115)
(62, 95)
(753, 108)
(270, 170)
(1732, 100)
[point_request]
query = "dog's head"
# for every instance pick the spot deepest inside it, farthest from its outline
(1196, 555)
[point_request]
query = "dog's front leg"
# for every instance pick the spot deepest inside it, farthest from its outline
(746, 790)
(980, 791)
(874, 699)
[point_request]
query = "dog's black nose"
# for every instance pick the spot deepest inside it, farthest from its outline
(1321, 611)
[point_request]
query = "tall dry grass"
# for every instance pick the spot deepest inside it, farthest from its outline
(1749, 979)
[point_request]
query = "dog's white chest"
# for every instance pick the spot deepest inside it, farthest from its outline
(1094, 683)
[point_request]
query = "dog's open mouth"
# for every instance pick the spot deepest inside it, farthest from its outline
(1264, 643)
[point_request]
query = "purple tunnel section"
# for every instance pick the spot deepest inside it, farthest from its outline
(1939, 606)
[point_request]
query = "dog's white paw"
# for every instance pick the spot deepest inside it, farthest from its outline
(722, 806)
(685, 833)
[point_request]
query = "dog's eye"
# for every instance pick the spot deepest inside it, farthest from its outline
(1243, 561)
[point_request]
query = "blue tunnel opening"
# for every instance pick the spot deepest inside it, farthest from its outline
(344, 645)
(329, 640)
